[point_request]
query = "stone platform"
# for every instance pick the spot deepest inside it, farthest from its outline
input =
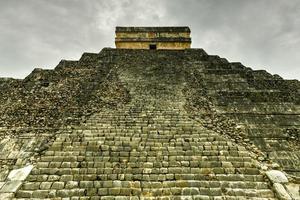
(194, 127)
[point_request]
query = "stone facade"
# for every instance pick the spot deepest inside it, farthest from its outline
(140, 124)
(153, 38)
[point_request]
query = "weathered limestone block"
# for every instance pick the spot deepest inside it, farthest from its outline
(20, 174)
(71, 184)
(3, 174)
(42, 194)
(281, 192)
(58, 185)
(24, 194)
(276, 176)
(11, 186)
(86, 184)
(1, 184)
(31, 186)
(45, 185)
(294, 190)
(6, 196)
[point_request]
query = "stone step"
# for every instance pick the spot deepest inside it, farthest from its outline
(281, 120)
(141, 189)
(256, 96)
(65, 182)
(209, 72)
(260, 108)
(227, 85)
(81, 194)
(184, 173)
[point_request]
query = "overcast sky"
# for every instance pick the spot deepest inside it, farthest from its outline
(262, 34)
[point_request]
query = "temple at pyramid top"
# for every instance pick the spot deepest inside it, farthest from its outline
(153, 37)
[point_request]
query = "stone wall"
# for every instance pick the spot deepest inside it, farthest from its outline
(128, 123)
(159, 45)
(162, 37)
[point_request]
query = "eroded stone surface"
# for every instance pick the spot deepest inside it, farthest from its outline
(20, 174)
(180, 124)
(10, 186)
(277, 176)
(1, 184)
(294, 190)
(6, 196)
(281, 192)
(149, 147)
(3, 174)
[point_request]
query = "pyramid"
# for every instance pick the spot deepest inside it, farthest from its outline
(149, 124)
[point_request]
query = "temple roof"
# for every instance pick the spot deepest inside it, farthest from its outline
(153, 29)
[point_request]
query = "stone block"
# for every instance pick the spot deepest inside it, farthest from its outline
(136, 191)
(24, 194)
(45, 185)
(102, 191)
(6, 196)
(294, 190)
(53, 178)
(71, 184)
(39, 178)
(170, 176)
(92, 198)
(125, 191)
(201, 197)
(190, 191)
(77, 192)
(40, 194)
(54, 164)
(63, 193)
(117, 183)
(91, 192)
(65, 178)
(147, 171)
(1, 184)
(20, 174)
(31, 186)
(107, 184)
(86, 184)
(107, 198)
(58, 185)
(114, 191)
(11, 186)
(281, 192)
(122, 198)
(3, 174)
(276, 176)
(42, 164)
(66, 164)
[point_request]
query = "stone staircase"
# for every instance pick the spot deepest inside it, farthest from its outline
(149, 148)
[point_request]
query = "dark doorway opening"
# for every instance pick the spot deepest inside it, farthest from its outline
(152, 46)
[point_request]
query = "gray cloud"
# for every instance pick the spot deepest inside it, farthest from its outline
(262, 34)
